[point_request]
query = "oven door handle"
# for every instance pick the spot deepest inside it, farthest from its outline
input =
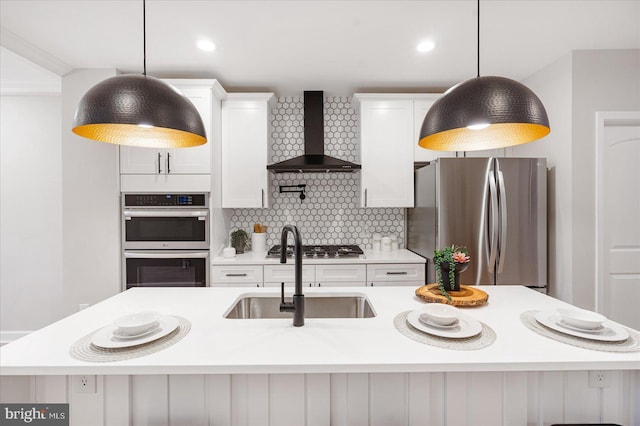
(165, 255)
(201, 214)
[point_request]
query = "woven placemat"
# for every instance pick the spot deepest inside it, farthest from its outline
(632, 344)
(84, 350)
(486, 337)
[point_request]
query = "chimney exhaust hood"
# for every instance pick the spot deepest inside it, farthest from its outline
(314, 160)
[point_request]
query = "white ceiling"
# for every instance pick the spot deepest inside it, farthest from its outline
(340, 47)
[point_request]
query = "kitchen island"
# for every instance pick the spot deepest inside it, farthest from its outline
(330, 371)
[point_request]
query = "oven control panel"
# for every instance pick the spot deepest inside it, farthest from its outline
(165, 200)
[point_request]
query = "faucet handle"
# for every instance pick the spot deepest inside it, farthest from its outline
(284, 306)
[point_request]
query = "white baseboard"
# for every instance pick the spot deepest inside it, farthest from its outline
(10, 336)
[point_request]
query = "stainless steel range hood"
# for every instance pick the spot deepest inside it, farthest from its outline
(314, 160)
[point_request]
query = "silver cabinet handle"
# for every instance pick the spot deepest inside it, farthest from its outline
(159, 167)
(168, 163)
(397, 273)
(262, 196)
(365, 197)
(200, 214)
(236, 275)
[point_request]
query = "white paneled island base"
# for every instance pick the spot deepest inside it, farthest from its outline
(329, 372)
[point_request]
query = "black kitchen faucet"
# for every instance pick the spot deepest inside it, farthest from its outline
(297, 305)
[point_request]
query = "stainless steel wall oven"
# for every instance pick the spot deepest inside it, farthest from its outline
(165, 240)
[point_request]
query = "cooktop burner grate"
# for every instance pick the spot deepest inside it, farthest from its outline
(320, 251)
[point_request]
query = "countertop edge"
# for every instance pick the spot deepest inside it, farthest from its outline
(108, 370)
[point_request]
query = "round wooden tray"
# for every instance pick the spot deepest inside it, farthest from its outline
(469, 295)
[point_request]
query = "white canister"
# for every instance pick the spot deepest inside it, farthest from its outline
(259, 242)
(229, 252)
(376, 242)
(394, 242)
(386, 243)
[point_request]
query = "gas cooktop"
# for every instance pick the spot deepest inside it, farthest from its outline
(321, 251)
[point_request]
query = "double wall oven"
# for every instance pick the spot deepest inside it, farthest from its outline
(165, 240)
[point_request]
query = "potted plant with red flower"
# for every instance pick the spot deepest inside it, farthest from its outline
(449, 262)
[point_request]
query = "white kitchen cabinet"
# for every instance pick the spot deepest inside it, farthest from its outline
(411, 274)
(237, 276)
(180, 161)
(421, 106)
(341, 275)
(246, 138)
(276, 274)
(386, 148)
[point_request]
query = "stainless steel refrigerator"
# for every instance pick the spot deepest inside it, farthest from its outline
(496, 207)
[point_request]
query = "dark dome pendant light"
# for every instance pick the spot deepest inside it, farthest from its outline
(484, 113)
(139, 110)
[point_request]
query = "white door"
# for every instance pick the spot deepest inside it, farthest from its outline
(618, 216)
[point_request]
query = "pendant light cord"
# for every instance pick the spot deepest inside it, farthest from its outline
(144, 37)
(478, 39)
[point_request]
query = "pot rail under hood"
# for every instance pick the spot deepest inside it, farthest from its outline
(314, 160)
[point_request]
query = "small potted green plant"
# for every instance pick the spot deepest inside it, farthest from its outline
(239, 240)
(449, 262)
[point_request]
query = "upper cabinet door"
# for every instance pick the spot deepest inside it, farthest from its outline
(142, 161)
(246, 136)
(386, 146)
(194, 160)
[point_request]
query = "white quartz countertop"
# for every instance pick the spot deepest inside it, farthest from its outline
(370, 256)
(216, 345)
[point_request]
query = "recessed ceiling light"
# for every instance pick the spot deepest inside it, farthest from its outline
(425, 46)
(206, 45)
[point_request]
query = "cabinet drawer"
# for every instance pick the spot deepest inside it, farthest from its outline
(340, 273)
(395, 283)
(340, 284)
(236, 274)
(286, 273)
(288, 284)
(395, 272)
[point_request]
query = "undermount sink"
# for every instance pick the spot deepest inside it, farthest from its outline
(316, 305)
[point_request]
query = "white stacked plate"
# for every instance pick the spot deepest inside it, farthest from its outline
(134, 329)
(582, 323)
(444, 321)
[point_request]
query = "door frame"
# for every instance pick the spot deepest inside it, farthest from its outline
(603, 119)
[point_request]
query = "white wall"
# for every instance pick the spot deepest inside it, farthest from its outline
(552, 84)
(573, 89)
(603, 80)
(90, 204)
(31, 290)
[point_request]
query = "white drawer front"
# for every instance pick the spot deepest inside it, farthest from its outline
(340, 284)
(288, 284)
(341, 273)
(395, 283)
(236, 274)
(286, 273)
(395, 272)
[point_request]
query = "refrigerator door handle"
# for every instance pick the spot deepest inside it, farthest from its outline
(502, 245)
(493, 222)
